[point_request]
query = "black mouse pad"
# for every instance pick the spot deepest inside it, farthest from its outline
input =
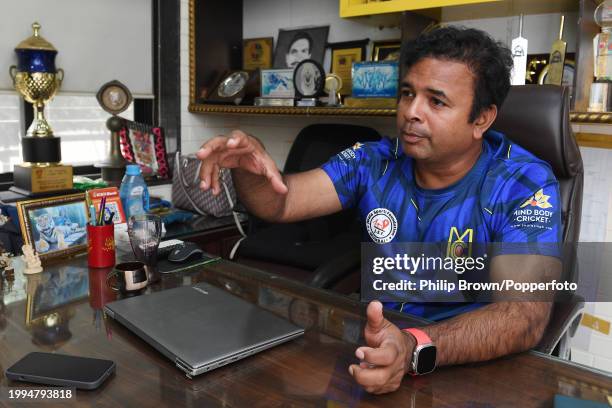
(165, 266)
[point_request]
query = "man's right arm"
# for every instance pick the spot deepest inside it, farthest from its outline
(259, 184)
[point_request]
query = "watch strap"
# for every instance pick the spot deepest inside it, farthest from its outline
(420, 336)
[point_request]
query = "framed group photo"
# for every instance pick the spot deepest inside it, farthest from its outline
(55, 226)
(295, 45)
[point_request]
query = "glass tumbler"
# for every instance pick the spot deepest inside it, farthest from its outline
(145, 232)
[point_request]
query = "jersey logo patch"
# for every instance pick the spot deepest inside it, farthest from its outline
(539, 199)
(381, 225)
(459, 245)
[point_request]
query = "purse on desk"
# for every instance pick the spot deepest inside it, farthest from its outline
(186, 193)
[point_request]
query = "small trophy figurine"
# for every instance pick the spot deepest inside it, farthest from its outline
(31, 259)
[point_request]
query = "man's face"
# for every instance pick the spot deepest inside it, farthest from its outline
(299, 51)
(433, 111)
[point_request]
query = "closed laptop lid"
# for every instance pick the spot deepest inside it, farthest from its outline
(200, 324)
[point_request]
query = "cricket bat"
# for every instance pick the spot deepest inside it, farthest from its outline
(557, 59)
(519, 56)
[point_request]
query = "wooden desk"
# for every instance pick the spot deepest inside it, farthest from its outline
(308, 372)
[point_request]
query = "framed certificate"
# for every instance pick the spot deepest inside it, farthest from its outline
(257, 53)
(343, 55)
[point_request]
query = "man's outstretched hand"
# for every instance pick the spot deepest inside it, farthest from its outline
(385, 362)
(236, 151)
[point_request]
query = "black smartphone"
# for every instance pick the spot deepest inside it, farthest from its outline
(61, 370)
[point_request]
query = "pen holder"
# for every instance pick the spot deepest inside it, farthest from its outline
(101, 245)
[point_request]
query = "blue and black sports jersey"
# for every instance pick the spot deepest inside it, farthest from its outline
(509, 196)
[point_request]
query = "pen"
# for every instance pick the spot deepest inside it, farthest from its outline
(101, 215)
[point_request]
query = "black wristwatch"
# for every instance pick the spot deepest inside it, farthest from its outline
(424, 355)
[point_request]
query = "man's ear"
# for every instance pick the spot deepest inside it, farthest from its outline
(484, 120)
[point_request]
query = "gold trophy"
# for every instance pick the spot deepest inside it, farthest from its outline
(37, 81)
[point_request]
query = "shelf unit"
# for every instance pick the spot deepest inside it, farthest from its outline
(215, 41)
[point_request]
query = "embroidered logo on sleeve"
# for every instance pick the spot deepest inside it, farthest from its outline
(539, 199)
(381, 225)
(535, 212)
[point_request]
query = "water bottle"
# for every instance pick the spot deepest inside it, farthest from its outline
(133, 192)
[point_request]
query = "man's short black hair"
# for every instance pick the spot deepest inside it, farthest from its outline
(301, 35)
(489, 61)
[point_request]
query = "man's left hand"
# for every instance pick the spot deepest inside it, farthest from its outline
(385, 362)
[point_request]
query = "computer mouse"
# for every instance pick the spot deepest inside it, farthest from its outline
(186, 253)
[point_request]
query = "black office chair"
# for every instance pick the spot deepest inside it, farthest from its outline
(320, 251)
(537, 118)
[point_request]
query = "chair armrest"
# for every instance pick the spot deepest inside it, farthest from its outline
(565, 317)
(332, 272)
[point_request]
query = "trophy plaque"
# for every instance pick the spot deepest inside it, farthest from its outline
(37, 80)
(114, 97)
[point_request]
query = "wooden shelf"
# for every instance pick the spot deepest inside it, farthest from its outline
(289, 110)
(591, 117)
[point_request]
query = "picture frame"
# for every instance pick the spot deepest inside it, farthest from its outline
(55, 227)
(388, 50)
(114, 97)
(297, 44)
(375, 79)
(277, 83)
(53, 291)
(343, 55)
(257, 53)
(145, 145)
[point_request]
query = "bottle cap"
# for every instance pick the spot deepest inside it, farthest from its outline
(132, 170)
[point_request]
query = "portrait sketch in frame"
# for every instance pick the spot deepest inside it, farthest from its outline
(55, 226)
(257, 53)
(295, 45)
(343, 55)
(386, 50)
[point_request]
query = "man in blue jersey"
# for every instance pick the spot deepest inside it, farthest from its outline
(446, 177)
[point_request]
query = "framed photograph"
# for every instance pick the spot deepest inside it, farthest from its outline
(257, 53)
(145, 145)
(386, 50)
(55, 226)
(277, 83)
(343, 55)
(295, 45)
(375, 79)
(55, 290)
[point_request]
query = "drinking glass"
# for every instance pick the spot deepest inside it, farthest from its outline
(145, 233)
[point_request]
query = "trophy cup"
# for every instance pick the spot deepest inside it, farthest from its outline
(36, 79)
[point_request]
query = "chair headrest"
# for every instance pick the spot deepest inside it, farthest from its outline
(537, 118)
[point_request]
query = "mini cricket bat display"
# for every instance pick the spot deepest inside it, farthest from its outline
(557, 59)
(519, 56)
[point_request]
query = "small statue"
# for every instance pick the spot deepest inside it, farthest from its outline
(31, 259)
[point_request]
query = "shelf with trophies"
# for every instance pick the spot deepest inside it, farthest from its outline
(228, 72)
(37, 80)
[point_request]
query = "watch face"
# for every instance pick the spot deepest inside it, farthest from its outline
(233, 84)
(309, 78)
(426, 360)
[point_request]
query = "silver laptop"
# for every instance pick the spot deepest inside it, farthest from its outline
(201, 327)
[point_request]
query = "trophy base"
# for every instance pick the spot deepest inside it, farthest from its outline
(41, 149)
(112, 173)
(33, 179)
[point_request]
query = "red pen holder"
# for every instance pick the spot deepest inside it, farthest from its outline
(101, 245)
